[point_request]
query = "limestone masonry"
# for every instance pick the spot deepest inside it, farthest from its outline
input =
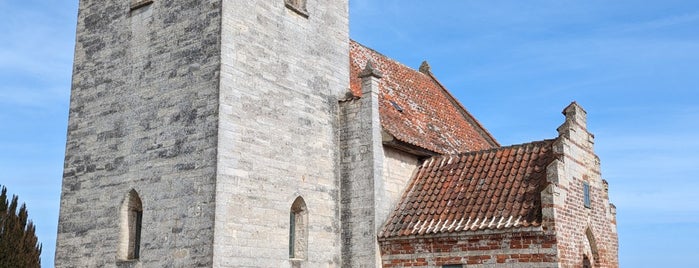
(257, 134)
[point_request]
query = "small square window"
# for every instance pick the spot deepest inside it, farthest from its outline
(586, 194)
(136, 4)
(298, 6)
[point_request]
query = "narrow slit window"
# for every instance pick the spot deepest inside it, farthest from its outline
(298, 229)
(138, 218)
(292, 233)
(586, 194)
(130, 227)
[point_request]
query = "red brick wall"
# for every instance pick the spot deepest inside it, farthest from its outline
(511, 249)
(580, 230)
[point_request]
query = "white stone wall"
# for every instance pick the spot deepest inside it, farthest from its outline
(281, 77)
(398, 169)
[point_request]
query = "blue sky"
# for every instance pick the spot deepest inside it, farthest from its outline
(633, 65)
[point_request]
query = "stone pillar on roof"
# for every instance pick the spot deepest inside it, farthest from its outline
(370, 79)
(425, 68)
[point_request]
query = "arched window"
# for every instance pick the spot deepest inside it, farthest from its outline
(131, 215)
(298, 229)
(592, 256)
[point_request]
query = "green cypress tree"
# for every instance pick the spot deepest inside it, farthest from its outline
(19, 246)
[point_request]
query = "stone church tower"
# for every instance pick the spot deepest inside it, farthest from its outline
(201, 134)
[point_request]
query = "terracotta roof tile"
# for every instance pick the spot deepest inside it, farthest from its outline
(416, 109)
(490, 189)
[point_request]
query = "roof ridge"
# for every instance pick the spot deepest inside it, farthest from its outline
(387, 57)
(511, 146)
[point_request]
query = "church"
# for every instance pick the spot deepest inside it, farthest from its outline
(215, 133)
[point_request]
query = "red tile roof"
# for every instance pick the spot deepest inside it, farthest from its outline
(416, 109)
(490, 189)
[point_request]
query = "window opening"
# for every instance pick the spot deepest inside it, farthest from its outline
(138, 215)
(136, 4)
(586, 194)
(298, 6)
(395, 105)
(586, 262)
(298, 229)
(292, 233)
(130, 230)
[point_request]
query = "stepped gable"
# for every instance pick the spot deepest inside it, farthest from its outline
(492, 189)
(415, 109)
